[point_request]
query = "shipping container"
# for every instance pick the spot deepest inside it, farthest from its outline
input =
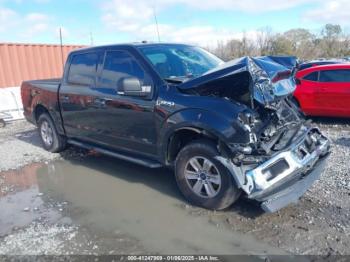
(19, 62)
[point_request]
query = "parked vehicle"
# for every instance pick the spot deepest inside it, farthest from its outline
(324, 90)
(308, 64)
(225, 128)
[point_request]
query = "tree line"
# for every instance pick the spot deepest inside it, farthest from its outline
(330, 42)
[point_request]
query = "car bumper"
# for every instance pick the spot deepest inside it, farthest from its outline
(284, 178)
(292, 193)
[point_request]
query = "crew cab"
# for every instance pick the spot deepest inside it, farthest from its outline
(324, 90)
(226, 129)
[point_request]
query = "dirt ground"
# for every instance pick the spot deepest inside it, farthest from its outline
(81, 203)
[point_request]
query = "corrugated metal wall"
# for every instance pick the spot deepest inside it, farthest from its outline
(20, 62)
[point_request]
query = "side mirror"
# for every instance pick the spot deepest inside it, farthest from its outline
(131, 86)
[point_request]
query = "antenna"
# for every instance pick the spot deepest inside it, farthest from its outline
(61, 43)
(155, 19)
(91, 38)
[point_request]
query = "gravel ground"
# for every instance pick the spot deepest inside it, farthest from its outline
(318, 224)
(20, 145)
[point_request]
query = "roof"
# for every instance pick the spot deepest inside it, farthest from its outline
(301, 73)
(135, 44)
(329, 66)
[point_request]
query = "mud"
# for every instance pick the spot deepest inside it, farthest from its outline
(109, 196)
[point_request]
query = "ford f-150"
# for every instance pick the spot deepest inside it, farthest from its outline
(226, 129)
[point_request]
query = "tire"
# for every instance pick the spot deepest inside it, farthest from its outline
(51, 140)
(218, 190)
(2, 123)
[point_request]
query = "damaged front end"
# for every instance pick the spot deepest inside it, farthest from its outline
(285, 154)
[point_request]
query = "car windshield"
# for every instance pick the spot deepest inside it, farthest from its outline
(180, 61)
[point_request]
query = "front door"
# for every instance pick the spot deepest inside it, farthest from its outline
(125, 122)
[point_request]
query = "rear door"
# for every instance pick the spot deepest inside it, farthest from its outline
(333, 96)
(77, 95)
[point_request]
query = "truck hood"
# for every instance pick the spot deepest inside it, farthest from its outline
(268, 78)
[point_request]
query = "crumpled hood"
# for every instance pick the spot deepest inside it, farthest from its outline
(271, 77)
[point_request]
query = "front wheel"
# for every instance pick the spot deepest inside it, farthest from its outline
(52, 141)
(204, 180)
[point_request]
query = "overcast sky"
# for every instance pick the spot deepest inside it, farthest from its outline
(192, 21)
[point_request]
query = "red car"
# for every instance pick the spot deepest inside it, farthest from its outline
(324, 90)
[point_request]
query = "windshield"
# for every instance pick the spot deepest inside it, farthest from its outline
(180, 61)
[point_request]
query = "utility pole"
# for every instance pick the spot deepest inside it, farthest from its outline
(61, 43)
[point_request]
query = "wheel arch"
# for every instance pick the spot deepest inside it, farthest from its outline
(181, 129)
(39, 109)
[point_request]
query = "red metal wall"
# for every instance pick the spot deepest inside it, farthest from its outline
(20, 62)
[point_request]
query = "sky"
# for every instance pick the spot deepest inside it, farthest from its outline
(202, 22)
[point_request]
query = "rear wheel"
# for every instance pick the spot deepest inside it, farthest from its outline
(202, 179)
(2, 123)
(50, 138)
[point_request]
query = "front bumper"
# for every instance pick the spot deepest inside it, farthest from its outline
(291, 194)
(285, 177)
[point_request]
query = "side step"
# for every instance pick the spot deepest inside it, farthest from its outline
(124, 156)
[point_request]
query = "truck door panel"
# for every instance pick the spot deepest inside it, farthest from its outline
(333, 94)
(125, 122)
(77, 96)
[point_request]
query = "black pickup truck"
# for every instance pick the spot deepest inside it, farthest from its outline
(226, 129)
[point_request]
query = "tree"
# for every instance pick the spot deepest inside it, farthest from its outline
(331, 43)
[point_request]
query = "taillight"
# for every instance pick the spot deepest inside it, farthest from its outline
(281, 75)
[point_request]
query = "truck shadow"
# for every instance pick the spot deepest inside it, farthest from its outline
(343, 141)
(160, 179)
(330, 121)
(30, 137)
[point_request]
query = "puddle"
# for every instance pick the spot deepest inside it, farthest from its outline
(110, 196)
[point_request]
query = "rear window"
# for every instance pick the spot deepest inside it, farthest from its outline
(339, 76)
(82, 70)
(312, 76)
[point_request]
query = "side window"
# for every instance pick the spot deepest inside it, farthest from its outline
(82, 70)
(119, 65)
(339, 76)
(312, 76)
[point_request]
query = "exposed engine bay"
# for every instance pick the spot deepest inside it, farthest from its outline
(264, 85)
(282, 145)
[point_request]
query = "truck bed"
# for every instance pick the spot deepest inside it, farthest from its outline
(36, 92)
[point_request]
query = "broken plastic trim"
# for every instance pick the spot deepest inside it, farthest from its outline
(255, 183)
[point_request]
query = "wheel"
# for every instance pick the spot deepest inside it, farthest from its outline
(51, 140)
(2, 123)
(204, 180)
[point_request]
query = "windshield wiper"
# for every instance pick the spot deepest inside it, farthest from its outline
(174, 80)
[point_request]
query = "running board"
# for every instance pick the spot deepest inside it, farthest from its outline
(140, 161)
